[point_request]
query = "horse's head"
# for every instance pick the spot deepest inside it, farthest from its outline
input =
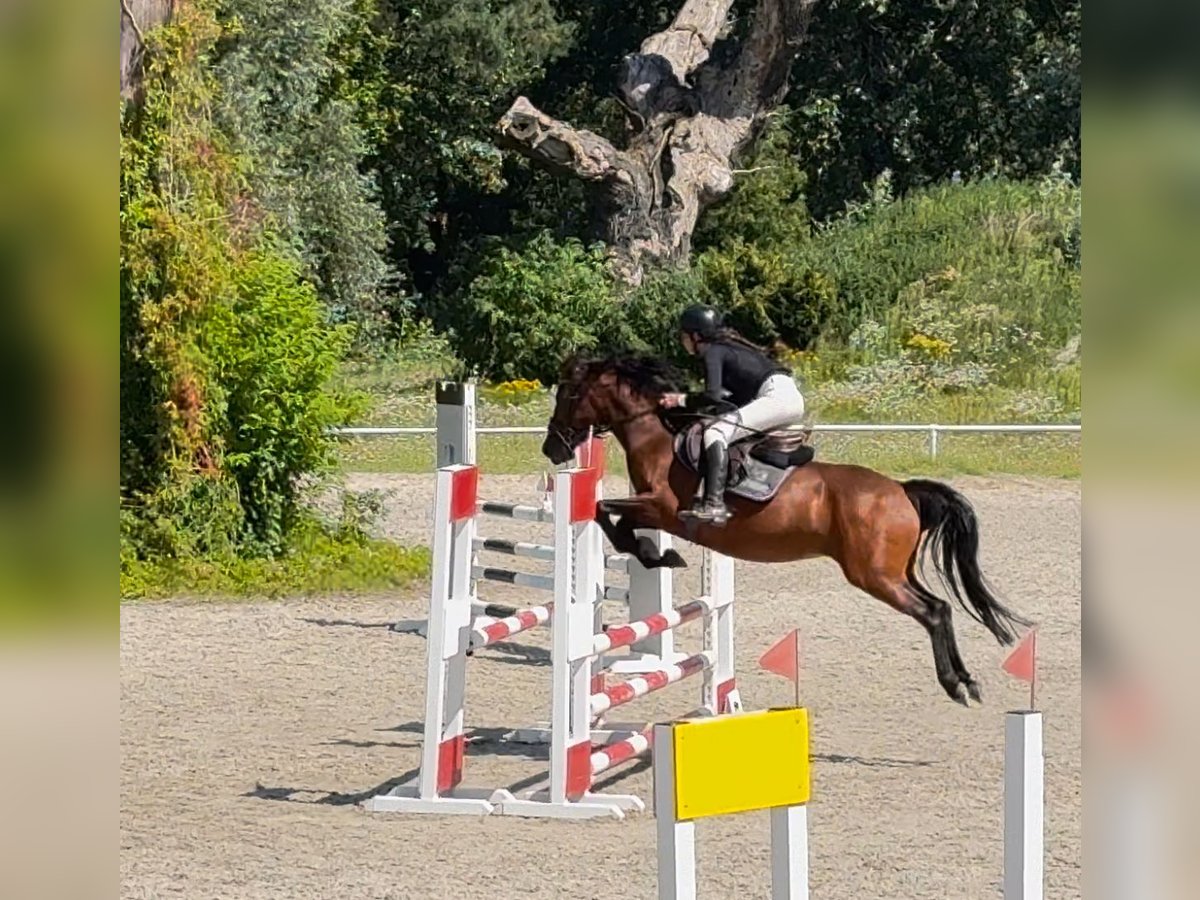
(596, 395)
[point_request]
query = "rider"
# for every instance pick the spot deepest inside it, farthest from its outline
(738, 372)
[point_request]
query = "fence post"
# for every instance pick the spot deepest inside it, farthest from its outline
(933, 441)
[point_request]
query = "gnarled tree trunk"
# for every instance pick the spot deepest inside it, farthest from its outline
(692, 117)
(138, 17)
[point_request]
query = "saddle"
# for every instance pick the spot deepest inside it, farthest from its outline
(758, 466)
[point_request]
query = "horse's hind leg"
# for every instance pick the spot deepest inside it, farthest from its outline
(942, 614)
(894, 590)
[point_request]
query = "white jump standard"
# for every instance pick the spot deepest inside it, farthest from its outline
(579, 700)
(648, 590)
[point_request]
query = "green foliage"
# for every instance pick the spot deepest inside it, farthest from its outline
(318, 559)
(528, 311)
(924, 90)
(961, 290)
(767, 205)
(1001, 237)
(273, 354)
(295, 165)
(765, 295)
(294, 103)
(650, 314)
(225, 347)
(448, 69)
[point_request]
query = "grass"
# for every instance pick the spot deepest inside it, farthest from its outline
(320, 563)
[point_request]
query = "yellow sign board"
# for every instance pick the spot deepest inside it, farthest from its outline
(741, 762)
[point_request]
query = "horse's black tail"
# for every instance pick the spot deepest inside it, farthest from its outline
(952, 540)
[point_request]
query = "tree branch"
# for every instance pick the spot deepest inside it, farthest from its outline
(133, 22)
(686, 42)
(655, 79)
(560, 147)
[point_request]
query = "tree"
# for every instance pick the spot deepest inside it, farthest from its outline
(925, 89)
(697, 94)
(226, 350)
(287, 101)
(138, 17)
(446, 70)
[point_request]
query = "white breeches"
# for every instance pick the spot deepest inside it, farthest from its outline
(779, 403)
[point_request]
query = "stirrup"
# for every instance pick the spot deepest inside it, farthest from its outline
(718, 515)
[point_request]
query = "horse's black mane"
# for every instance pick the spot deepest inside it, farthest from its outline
(646, 374)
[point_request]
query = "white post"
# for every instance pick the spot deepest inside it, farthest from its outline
(650, 592)
(1023, 805)
(455, 423)
(578, 584)
(789, 853)
(598, 679)
(676, 839)
(720, 693)
(443, 750)
(561, 717)
(584, 539)
(455, 445)
(933, 441)
(440, 603)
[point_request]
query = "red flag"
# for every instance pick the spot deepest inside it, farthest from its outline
(783, 657)
(1022, 662)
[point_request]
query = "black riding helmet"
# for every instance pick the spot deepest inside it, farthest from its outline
(701, 320)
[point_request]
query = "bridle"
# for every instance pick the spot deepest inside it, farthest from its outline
(572, 437)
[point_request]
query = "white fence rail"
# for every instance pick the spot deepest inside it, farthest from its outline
(933, 430)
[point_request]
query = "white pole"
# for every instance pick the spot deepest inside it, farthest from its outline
(455, 423)
(720, 695)
(562, 682)
(1023, 805)
(789, 852)
(441, 590)
(676, 839)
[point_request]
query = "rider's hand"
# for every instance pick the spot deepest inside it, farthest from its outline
(672, 400)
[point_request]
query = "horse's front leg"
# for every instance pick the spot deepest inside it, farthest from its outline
(621, 534)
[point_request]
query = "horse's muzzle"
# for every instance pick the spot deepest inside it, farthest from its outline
(556, 449)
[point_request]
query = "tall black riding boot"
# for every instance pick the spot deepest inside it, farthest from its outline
(716, 475)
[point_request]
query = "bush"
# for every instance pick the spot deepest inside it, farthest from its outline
(965, 285)
(527, 311)
(1008, 243)
(765, 295)
(650, 314)
(766, 207)
(316, 558)
(273, 355)
(226, 350)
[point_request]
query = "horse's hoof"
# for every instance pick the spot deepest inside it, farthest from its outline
(672, 560)
(958, 694)
(975, 690)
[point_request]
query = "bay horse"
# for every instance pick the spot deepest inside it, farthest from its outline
(870, 524)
